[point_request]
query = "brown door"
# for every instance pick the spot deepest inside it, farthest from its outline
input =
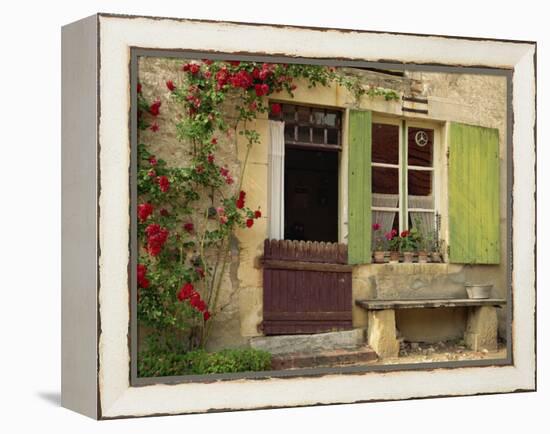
(306, 287)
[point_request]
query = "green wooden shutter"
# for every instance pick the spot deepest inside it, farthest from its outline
(474, 224)
(359, 187)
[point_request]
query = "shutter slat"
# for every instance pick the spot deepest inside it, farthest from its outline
(359, 187)
(474, 205)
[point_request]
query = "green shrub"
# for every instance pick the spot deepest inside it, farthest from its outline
(198, 362)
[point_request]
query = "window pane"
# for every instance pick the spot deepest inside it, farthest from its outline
(387, 221)
(424, 222)
(331, 119)
(332, 136)
(288, 112)
(420, 182)
(420, 147)
(319, 135)
(385, 180)
(385, 143)
(289, 132)
(303, 114)
(303, 134)
(318, 117)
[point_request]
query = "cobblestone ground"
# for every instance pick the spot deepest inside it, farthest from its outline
(411, 352)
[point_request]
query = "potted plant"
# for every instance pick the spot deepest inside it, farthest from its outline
(379, 251)
(408, 245)
(394, 242)
(424, 247)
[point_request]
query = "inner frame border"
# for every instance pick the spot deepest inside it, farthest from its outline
(136, 52)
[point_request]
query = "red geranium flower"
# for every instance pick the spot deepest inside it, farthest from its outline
(405, 234)
(257, 214)
(154, 127)
(249, 223)
(170, 85)
(144, 211)
(154, 109)
(164, 183)
(275, 109)
(376, 226)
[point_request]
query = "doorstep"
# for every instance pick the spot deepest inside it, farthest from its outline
(332, 358)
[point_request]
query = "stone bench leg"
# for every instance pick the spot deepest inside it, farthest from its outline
(381, 333)
(481, 328)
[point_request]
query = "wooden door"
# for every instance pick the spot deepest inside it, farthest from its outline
(306, 287)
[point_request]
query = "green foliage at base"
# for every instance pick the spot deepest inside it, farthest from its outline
(198, 362)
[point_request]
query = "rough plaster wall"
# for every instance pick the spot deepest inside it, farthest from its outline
(153, 73)
(468, 98)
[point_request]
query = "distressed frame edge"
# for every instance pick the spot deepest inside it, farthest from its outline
(534, 386)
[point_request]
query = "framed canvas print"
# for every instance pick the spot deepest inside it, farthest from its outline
(261, 216)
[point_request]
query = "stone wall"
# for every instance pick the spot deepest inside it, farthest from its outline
(468, 98)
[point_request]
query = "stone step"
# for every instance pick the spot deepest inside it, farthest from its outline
(333, 358)
(314, 343)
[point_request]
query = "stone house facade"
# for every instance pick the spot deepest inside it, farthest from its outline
(432, 102)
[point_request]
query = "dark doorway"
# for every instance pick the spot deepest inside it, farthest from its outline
(311, 195)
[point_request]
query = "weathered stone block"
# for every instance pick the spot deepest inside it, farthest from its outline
(382, 333)
(482, 328)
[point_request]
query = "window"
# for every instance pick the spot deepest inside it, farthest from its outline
(403, 176)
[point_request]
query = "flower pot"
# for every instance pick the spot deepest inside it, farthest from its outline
(379, 257)
(422, 257)
(408, 257)
(478, 290)
(394, 257)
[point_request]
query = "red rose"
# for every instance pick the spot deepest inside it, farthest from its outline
(189, 227)
(275, 109)
(194, 68)
(257, 214)
(224, 171)
(405, 234)
(240, 203)
(242, 79)
(214, 141)
(163, 183)
(207, 61)
(156, 237)
(261, 89)
(170, 85)
(206, 315)
(144, 211)
(235, 62)
(222, 76)
(139, 88)
(376, 226)
(210, 158)
(142, 280)
(249, 223)
(152, 160)
(207, 74)
(154, 109)
(223, 219)
(154, 127)
(229, 180)
(242, 195)
(152, 173)
(186, 292)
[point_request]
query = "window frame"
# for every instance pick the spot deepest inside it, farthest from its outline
(437, 168)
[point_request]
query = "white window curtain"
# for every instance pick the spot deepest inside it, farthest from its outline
(425, 220)
(276, 179)
(384, 218)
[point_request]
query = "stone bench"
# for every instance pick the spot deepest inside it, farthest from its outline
(481, 327)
